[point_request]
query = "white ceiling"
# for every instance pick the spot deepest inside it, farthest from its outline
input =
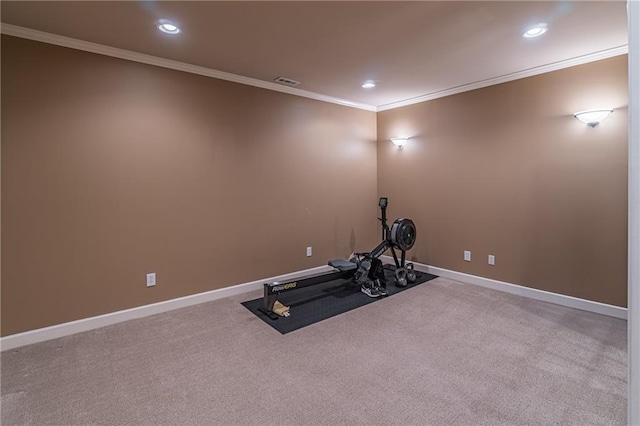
(411, 49)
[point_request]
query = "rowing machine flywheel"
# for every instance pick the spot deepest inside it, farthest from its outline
(403, 233)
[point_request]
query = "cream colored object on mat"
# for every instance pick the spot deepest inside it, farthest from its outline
(280, 309)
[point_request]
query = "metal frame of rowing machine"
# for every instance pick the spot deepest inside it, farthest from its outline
(386, 237)
(273, 289)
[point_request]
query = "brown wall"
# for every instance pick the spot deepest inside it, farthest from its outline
(507, 170)
(112, 169)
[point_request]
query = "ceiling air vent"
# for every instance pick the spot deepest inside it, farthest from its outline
(286, 81)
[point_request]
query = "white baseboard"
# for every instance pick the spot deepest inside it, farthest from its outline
(532, 293)
(42, 334)
(60, 330)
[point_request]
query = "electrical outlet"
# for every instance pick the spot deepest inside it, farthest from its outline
(309, 251)
(151, 279)
(491, 259)
(467, 255)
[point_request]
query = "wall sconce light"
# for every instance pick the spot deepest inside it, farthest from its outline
(399, 142)
(593, 117)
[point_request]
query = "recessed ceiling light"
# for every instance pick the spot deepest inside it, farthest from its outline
(168, 27)
(368, 84)
(535, 31)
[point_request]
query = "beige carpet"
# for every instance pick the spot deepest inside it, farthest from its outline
(441, 353)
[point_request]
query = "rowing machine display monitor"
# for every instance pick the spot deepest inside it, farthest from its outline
(383, 203)
(400, 236)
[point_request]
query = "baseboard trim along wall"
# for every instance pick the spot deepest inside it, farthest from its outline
(531, 293)
(65, 329)
(86, 324)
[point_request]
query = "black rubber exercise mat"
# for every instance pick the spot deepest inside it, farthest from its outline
(319, 302)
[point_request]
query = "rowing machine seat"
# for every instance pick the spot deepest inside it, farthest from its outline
(342, 265)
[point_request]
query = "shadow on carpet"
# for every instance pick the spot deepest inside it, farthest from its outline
(313, 304)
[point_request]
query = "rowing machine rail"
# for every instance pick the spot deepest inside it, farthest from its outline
(273, 289)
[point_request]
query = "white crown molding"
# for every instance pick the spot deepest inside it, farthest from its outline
(68, 328)
(72, 43)
(531, 293)
(592, 57)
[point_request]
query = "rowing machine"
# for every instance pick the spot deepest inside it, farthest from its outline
(361, 268)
